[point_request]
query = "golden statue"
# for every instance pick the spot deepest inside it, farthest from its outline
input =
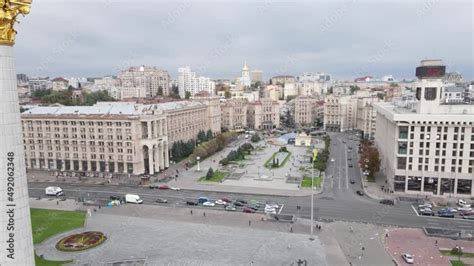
(9, 10)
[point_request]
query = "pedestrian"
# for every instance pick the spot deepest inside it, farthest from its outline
(436, 242)
(291, 229)
(386, 235)
(57, 202)
(191, 211)
(204, 214)
(250, 222)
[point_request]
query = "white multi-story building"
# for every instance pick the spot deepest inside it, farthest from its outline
(35, 84)
(263, 114)
(245, 80)
(152, 79)
(189, 82)
(107, 137)
(105, 83)
(59, 84)
(426, 146)
(122, 93)
(339, 113)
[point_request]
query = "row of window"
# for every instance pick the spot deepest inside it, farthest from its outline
(81, 123)
(84, 156)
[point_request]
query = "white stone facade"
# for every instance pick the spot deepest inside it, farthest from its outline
(150, 78)
(188, 81)
(16, 242)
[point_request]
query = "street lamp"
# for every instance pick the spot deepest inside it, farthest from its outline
(198, 166)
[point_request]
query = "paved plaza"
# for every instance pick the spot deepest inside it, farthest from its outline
(202, 242)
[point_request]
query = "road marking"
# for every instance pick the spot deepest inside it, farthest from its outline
(414, 209)
(281, 208)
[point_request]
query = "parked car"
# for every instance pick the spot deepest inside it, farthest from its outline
(230, 208)
(461, 202)
(352, 181)
(425, 205)
(202, 199)
(408, 258)
(349, 159)
(448, 209)
(163, 187)
(226, 200)
(272, 205)
(253, 207)
(115, 197)
(248, 210)
(387, 202)
(466, 213)
(447, 214)
(426, 211)
(242, 201)
(191, 203)
(175, 188)
(161, 201)
(208, 204)
(238, 204)
(270, 211)
(332, 160)
(360, 192)
(221, 202)
(154, 186)
(467, 209)
(350, 165)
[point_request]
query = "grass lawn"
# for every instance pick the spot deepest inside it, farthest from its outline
(268, 163)
(42, 262)
(217, 177)
(47, 223)
(458, 263)
(449, 253)
(307, 181)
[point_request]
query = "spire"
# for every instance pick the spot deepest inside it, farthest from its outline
(245, 66)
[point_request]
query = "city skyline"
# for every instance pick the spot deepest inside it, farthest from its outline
(165, 37)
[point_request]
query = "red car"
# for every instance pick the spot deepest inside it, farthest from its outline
(248, 210)
(467, 213)
(163, 187)
(226, 200)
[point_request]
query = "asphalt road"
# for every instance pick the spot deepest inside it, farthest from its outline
(338, 201)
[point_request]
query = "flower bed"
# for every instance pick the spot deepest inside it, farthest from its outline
(81, 241)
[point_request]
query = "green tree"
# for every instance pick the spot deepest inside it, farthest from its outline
(457, 251)
(227, 94)
(287, 119)
(210, 173)
(201, 136)
(38, 94)
(330, 90)
(354, 88)
(174, 92)
(187, 95)
(209, 134)
(160, 91)
(289, 98)
(255, 138)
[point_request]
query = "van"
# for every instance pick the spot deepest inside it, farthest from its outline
(201, 200)
(131, 198)
(54, 191)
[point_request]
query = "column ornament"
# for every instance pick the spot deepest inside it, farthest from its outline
(9, 11)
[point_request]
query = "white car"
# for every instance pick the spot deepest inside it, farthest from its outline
(175, 188)
(208, 204)
(466, 208)
(272, 205)
(425, 205)
(461, 202)
(269, 209)
(332, 160)
(221, 202)
(408, 258)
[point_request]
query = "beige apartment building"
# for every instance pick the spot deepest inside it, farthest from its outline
(107, 137)
(150, 78)
(263, 114)
(366, 115)
(234, 114)
(185, 119)
(213, 104)
(306, 110)
(339, 113)
(427, 146)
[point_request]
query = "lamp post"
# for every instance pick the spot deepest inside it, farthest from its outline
(198, 166)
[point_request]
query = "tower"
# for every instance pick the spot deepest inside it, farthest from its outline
(245, 81)
(16, 242)
(429, 86)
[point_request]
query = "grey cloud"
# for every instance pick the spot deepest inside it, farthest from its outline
(340, 38)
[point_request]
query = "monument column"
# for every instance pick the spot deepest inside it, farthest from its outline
(16, 242)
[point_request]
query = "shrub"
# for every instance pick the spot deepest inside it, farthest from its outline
(210, 173)
(283, 149)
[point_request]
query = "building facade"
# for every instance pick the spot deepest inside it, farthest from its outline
(245, 79)
(155, 81)
(306, 110)
(234, 114)
(213, 112)
(339, 113)
(282, 80)
(427, 147)
(35, 84)
(106, 137)
(188, 81)
(59, 84)
(123, 93)
(263, 114)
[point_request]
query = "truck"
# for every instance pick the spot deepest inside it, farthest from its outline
(131, 198)
(54, 191)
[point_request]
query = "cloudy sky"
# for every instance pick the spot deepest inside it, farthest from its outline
(347, 38)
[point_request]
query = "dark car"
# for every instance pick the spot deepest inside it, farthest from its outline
(238, 204)
(350, 165)
(387, 202)
(248, 210)
(161, 201)
(226, 200)
(115, 197)
(191, 203)
(360, 192)
(242, 201)
(163, 187)
(253, 207)
(352, 181)
(349, 158)
(447, 214)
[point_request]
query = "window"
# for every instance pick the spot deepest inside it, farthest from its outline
(418, 93)
(430, 93)
(403, 132)
(401, 162)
